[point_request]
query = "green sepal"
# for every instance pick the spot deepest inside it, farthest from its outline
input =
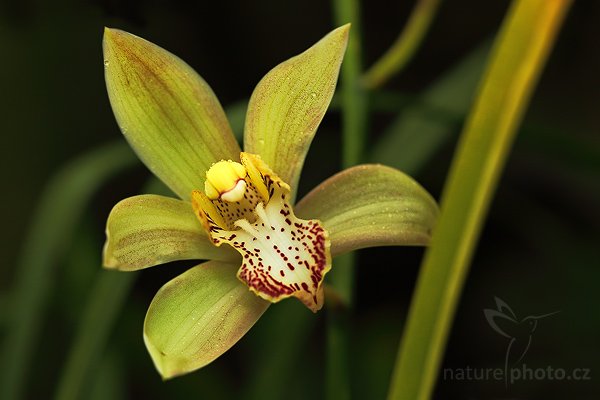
(198, 316)
(147, 230)
(371, 205)
(289, 103)
(167, 112)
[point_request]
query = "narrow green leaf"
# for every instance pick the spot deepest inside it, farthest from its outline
(147, 230)
(60, 208)
(198, 316)
(104, 302)
(3, 310)
(110, 381)
(289, 103)
(371, 205)
(167, 112)
(518, 57)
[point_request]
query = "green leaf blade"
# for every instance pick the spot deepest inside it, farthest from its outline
(517, 60)
(61, 205)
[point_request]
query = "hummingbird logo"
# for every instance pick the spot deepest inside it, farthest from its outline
(519, 331)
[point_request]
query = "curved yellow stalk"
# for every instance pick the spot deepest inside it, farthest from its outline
(405, 46)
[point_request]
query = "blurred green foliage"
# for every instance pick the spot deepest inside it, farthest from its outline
(538, 250)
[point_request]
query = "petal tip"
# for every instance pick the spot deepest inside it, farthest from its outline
(343, 32)
(157, 359)
(289, 103)
(109, 262)
(345, 29)
(166, 368)
(196, 317)
(111, 36)
(114, 33)
(167, 112)
(108, 259)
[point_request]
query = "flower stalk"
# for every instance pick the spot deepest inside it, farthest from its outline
(354, 121)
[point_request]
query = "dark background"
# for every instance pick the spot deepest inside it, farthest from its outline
(539, 248)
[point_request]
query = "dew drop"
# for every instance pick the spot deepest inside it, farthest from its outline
(106, 62)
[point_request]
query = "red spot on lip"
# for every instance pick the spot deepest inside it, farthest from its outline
(309, 257)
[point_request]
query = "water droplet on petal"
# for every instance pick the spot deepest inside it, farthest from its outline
(106, 62)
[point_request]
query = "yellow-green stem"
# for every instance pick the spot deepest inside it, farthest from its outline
(353, 97)
(354, 110)
(519, 54)
(405, 46)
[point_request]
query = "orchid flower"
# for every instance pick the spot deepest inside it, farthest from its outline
(236, 209)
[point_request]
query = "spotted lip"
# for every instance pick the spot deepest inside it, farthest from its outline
(283, 255)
